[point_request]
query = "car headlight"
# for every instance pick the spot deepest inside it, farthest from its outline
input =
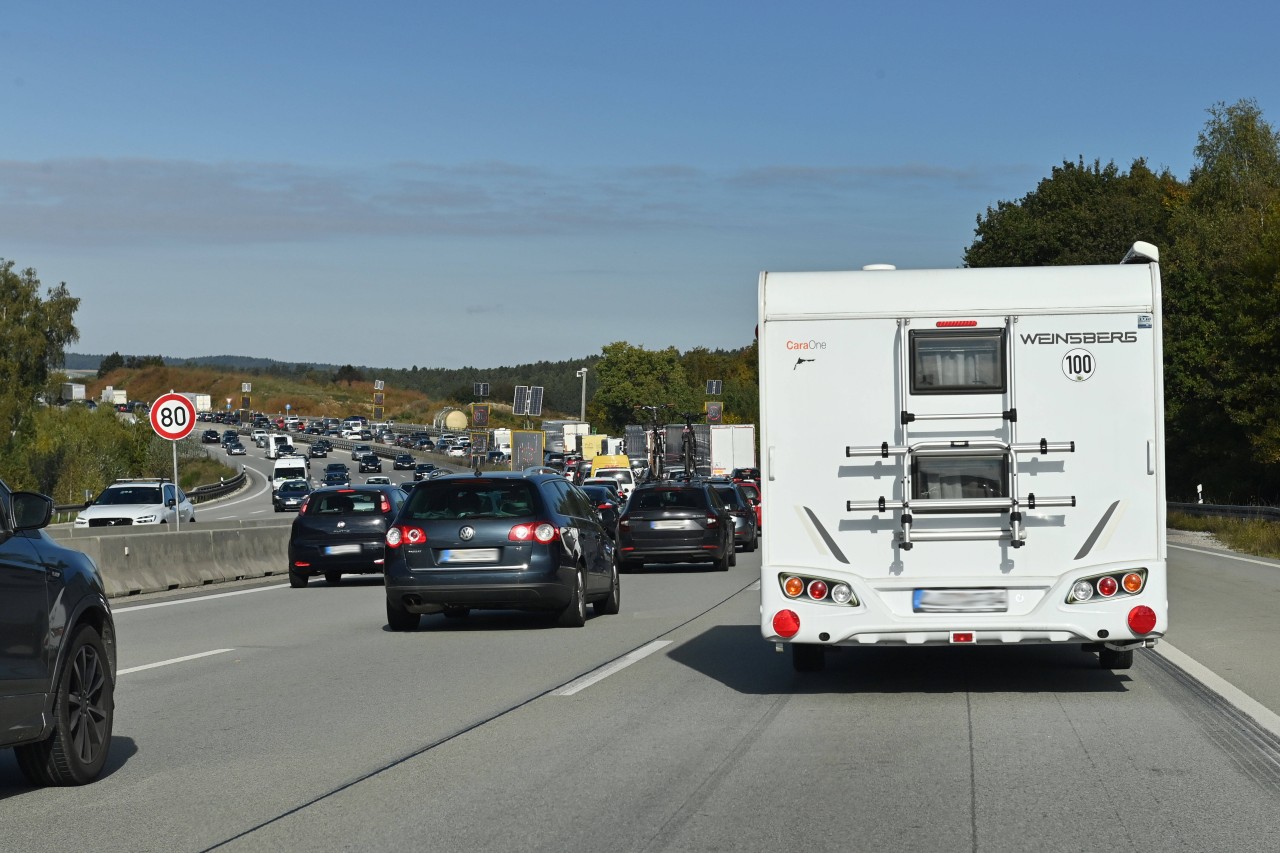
(147, 519)
(81, 521)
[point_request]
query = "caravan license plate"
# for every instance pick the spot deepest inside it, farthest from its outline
(960, 601)
(342, 549)
(469, 555)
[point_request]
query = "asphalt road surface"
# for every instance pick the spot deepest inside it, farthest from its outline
(276, 719)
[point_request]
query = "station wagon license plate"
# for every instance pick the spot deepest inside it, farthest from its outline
(667, 525)
(960, 601)
(342, 549)
(469, 555)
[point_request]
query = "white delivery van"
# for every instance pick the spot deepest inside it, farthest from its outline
(963, 456)
(288, 468)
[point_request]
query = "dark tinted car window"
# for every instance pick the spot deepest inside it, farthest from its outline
(131, 495)
(472, 498)
(560, 496)
(344, 503)
(668, 499)
(730, 496)
(600, 494)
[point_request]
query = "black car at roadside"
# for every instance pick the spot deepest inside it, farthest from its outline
(745, 534)
(57, 650)
(502, 540)
(341, 531)
(676, 521)
(210, 436)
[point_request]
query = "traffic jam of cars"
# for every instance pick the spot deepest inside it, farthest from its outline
(445, 541)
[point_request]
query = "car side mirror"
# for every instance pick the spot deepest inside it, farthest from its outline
(31, 511)
(171, 503)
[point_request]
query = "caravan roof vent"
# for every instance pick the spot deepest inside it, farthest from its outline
(1142, 253)
(873, 267)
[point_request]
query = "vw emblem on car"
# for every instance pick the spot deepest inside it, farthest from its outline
(466, 533)
(342, 524)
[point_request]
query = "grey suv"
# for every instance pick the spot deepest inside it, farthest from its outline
(57, 649)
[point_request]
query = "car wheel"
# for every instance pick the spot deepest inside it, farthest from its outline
(806, 657)
(333, 578)
(297, 580)
(733, 556)
(722, 564)
(611, 603)
(575, 613)
(456, 611)
(83, 711)
(399, 619)
(1114, 658)
(753, 544)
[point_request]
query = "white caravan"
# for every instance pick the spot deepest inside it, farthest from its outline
(963, 456)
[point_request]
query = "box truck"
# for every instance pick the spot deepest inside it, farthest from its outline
(732, 446)
(963, 456)
(72, 391)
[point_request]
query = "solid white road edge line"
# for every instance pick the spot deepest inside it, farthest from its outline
(1242, 701)
(610, 668)
(174, 660)
(117, 610)
(1229, 554)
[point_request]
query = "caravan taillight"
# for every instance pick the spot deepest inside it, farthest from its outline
(1142, 619)
(786, 623)
(956, 324)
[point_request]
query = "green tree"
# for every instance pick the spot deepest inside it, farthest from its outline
(115, 361)
(35, 332)
(1080, 214)
(347, 374)
(630, 376)
(1222, 301)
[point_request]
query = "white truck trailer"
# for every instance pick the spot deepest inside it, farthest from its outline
(732, 446)
(963, 456)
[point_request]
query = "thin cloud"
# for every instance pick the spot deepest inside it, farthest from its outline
(156, 202)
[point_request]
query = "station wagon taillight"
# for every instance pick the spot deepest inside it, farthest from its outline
(538, 531)
(405, 534)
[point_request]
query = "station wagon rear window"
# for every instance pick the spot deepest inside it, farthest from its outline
(479, 498)
(957, 361)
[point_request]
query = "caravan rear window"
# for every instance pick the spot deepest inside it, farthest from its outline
(957, 361)
(951, 477)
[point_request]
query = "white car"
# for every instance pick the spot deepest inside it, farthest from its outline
(360, 450)
(457, 450)
(377, 480)
(132, 502)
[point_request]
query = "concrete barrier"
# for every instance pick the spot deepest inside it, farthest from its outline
(134, 562)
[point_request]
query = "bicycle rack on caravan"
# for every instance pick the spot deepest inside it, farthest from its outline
(1008, 446)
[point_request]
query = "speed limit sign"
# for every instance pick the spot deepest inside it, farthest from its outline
(173, 416)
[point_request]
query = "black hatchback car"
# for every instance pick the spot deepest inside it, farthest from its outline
(501, 540)
(341, 531)
(57, 649)
(676, 521)
(403, 462)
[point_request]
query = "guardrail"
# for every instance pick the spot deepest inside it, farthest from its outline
(1266, 513)
(199, 494)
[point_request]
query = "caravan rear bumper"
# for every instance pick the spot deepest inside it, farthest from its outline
(1037, 612)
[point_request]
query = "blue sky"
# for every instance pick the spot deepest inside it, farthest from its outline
(452, 184)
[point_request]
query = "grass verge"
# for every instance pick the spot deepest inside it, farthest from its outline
(1247, 536)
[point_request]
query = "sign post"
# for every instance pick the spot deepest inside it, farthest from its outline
(173, 417)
